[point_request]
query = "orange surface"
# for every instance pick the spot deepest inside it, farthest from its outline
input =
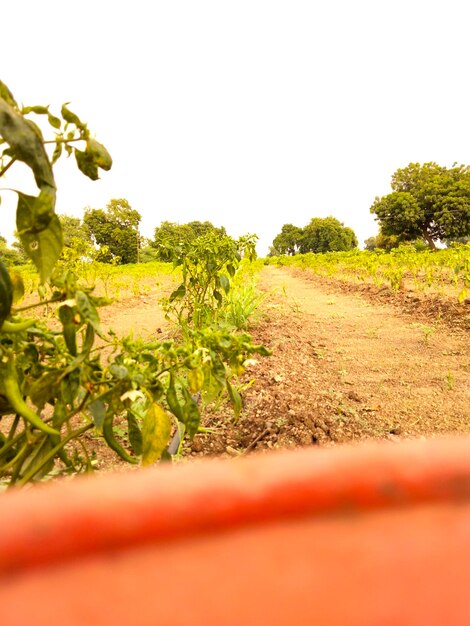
(376, 534)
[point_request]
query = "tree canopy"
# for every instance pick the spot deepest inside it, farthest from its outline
(116, 228)
(173, 234)
(428, 201)
(320, 235)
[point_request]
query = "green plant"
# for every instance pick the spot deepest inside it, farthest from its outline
(56, 383)
(208, 265)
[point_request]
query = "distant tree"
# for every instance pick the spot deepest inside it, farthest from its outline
(173, 234)
(427, 202)
(117, 228)
(77, 237)
(289, 240)
(11, 255)
(382, 242)
(327, 235)
(459, 240)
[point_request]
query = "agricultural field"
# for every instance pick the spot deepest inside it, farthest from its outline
(352, 359)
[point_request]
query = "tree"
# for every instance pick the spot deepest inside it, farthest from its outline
(327, 235)
(117, 228)
(11, 256)
(77, 237)
(427, 202)
(289, 240)
(172, 234)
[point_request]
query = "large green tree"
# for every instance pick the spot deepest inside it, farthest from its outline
(428, 201)
(327, 234)
(289, 240)
(173, 234)
(117, 229)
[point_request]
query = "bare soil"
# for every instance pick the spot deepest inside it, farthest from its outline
(348, 363)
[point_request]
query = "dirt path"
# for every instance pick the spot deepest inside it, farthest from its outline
(345, 369)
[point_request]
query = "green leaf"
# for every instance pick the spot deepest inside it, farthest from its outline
(172, 399)
(40, 110)
(156, 432)
(192, 417)
(98, 411)
(100, 155)
(224, 283)
(26, 141)
(43, 389)
(42, 246)
(218, 296)
(6, 94)
(6, 293)
(178, 293)
(69, 386)
(57, 152)
(70, 117)
(231, 270)
(53, 120)
(135, 434)
(86, 164)
(69, 327)
(235, 399)
(87, 310)
(119, 371)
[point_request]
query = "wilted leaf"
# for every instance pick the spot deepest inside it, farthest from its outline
(100, 155)
(86, 164)
(24, 139)
(195, 380)
(156, 432)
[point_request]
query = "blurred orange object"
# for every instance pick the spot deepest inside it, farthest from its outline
(376, 534)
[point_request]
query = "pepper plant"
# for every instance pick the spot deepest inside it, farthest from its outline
(56, 381)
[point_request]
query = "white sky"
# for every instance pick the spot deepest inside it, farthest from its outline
(247, 113)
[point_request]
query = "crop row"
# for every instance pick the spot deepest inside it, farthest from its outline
(444, 271)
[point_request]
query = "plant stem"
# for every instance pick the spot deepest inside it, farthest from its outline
(51, 454)
(7, 167)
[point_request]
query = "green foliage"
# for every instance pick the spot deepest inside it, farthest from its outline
(320, 235)
(288, 241)
(427, 202)
(327, 235)
(446, 271)
(56, 383)
(116, 228)
(171, 235)
(37, 225)
(11, 256)
(208, 264)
